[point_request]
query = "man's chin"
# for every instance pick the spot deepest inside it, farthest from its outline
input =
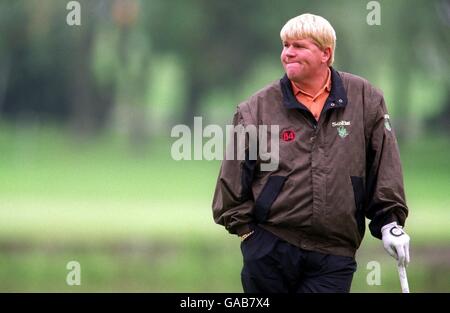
(294, 76)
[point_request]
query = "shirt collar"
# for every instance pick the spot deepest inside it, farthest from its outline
(327, 86)
(336, 99)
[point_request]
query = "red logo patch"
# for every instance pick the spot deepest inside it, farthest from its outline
(288, 135)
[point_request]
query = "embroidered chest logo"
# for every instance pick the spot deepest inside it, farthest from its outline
(341, 128)
(342, 131)
(288, 135)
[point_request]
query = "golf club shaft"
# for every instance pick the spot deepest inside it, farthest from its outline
(403, 278)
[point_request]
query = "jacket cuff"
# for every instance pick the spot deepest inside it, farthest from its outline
(244, 229)
(376, 225)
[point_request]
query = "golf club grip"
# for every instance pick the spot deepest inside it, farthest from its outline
(403, 278)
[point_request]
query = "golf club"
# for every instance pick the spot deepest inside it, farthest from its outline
(403, 278)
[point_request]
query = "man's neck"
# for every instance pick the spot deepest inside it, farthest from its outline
(313, 84)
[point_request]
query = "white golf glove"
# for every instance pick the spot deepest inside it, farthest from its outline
(396, 242)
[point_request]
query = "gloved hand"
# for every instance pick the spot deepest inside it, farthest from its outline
(396, 242)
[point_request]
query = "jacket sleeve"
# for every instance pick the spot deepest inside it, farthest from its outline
(233, 198)
(384, 179)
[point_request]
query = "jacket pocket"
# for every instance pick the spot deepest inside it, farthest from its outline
(358, 191)
(269, 193)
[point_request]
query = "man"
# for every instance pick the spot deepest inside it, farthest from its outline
(302, 223)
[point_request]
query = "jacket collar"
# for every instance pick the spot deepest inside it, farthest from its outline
(336, 99)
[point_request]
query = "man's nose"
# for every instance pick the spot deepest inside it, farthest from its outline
(289, 52)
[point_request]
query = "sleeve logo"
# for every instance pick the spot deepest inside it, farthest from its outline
(387, 122)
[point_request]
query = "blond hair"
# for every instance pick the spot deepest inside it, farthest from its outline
(313, 27)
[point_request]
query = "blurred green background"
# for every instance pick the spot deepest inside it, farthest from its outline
(85, 119)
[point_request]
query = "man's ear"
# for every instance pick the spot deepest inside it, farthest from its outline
(326, 55)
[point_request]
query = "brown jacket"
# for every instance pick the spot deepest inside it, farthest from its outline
(331, 175)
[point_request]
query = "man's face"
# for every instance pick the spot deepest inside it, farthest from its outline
(302, 59)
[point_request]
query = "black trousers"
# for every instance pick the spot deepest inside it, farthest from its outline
(272, 265)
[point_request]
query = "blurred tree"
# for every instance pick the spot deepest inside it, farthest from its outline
(132, 77)
(412, 37)
(33, 77)
(218, 41)
(81, 74)
(83, 84)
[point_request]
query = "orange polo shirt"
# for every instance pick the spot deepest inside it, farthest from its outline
(315, 102)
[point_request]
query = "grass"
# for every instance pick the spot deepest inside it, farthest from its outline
(190, 265)
(138, 221)
(133, 266)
